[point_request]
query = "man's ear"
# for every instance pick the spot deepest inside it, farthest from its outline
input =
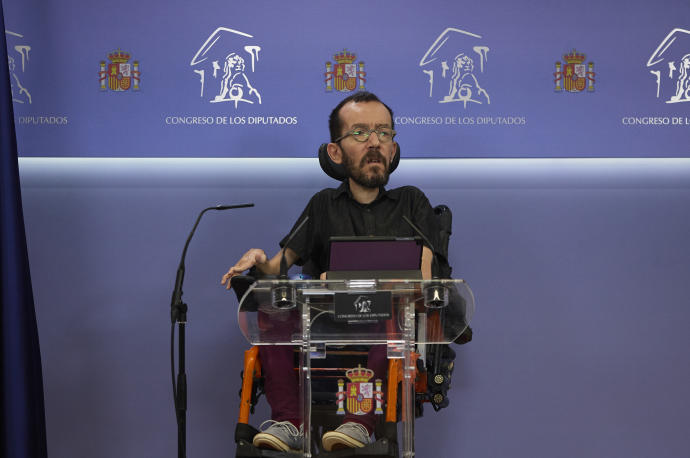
(335, 153)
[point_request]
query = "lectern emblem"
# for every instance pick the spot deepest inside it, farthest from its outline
(360, 394)
(362, 304)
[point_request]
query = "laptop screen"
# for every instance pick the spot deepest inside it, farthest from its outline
(375, 253)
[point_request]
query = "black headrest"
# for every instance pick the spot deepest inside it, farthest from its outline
(337, 171)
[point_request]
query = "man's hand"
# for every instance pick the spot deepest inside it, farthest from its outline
(247, 261)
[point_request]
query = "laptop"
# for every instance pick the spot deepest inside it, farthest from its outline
(365, 257)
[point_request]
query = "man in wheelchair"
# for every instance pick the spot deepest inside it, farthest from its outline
(362, 153)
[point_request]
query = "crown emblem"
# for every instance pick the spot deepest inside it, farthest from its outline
(119, 75)
(574, 75)
(345, 57)
(574, 57)
(119, 57)
(359, 374)
(344, 74)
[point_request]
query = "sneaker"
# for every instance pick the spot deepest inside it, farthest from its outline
(280, 435)
(347, 435)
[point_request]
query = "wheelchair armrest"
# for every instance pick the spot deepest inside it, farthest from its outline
(240, 284)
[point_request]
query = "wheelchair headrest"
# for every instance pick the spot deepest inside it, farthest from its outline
(337, 171)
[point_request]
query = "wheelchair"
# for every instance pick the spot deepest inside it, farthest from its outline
(433, 372)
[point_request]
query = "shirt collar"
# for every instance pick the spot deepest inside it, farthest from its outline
(344, 188)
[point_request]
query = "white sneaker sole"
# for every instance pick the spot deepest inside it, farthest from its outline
(334, 440)
(263, 440)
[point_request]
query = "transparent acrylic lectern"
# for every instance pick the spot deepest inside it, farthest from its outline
(404, 315)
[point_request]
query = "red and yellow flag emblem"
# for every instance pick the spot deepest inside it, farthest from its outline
(345, 74)
(119, 75)
(575, 76)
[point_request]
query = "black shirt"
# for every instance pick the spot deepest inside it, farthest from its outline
(334, 212)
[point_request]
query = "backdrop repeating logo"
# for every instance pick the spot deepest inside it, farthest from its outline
(454, 64)
(18, 61)
(344, 73)
(119, 75)
(670, 64)
(224, 62)
(575, 76)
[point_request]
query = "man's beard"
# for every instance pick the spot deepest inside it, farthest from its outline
(374, 180)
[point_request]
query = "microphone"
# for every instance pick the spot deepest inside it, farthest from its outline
(178, 308)
(229, 207)
(283, 295)
(435, 294)
(434, 261)
(283, 261)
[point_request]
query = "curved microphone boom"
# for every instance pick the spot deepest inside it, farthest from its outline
(178, 314)
(434, 261)
(283, 260)
(435, 294)
(176, 302)
(283, 294)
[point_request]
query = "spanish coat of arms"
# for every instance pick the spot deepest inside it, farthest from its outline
(343, 75)
(575, 76)
(119, 75)
(360, 396)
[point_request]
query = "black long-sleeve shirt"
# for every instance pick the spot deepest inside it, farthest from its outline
(334, 212)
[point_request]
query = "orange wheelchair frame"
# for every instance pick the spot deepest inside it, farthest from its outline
(431, 389)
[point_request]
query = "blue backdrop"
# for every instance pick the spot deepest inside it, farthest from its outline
(254, 79)
(579, 269)
(579, 266)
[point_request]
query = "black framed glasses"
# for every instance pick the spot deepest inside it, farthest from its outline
(360, 134)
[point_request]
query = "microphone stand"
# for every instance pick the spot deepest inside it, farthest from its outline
(178, 314)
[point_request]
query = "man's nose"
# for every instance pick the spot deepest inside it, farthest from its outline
(374, 139)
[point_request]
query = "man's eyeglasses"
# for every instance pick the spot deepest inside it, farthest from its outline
(384, 134)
